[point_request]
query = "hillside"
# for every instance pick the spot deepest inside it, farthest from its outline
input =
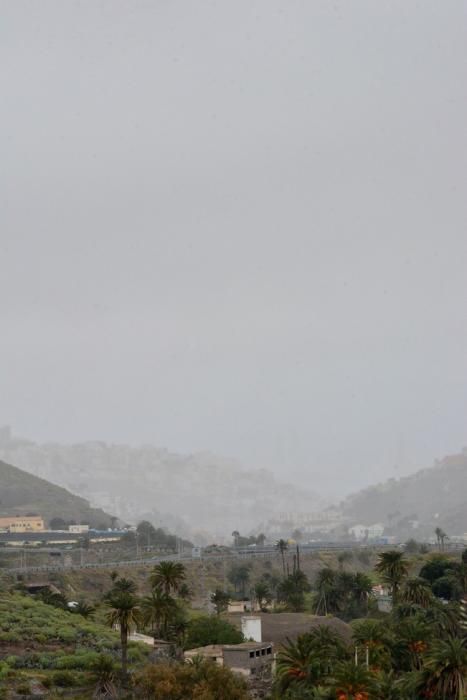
(45, 648)
(200, 496)
(416, 505)
(22, 493)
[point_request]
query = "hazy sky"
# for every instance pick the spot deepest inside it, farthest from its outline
(237, 226)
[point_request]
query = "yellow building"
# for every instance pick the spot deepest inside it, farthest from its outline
(22, 523)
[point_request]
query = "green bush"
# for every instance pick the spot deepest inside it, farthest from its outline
(79, 661)
(63, 679)
(211, 629)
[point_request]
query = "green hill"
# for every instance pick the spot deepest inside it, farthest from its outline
(22, 493)
(43, 647)
(415, 505)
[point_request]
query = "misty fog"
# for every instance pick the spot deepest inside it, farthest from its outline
(237, 228)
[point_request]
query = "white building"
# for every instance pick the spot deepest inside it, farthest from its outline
(78, 529)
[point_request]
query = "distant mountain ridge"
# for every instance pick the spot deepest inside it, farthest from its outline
(191, 494)
(415, 505)
(22, 493)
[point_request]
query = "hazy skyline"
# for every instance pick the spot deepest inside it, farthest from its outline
(237, 227)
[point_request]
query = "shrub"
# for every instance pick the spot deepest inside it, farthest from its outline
(63, 679)
(182, 681)
(210, 629)
(79, 661)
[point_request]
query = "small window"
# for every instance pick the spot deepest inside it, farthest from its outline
(263, 652)
(257, 652)
(252, 671)
(252, 654)
(269, 650)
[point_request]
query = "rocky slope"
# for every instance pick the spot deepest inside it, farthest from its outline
(417, 504)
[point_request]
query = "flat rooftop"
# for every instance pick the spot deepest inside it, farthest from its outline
(247, 645)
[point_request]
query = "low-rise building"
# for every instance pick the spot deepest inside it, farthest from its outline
(78, 529)
(213, 652)
(22, 523)
(248, 658)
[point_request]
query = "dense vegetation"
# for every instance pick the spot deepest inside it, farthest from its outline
(47, 644)
(417, 651)
(86, 648)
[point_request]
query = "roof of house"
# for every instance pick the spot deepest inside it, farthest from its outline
(217, 649)
(208, 650)
(245, 645)
(278, 627)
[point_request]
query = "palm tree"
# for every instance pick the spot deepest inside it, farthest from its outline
(446, 620)
(124, 585)
(417, 591)
(353, 681)
(326, 587)
(262, 594)
(362, 588)
(388, 686)
(124, 613)
(345, 583)
(184, 592)
(446, 668)
(412, 640)
(440, 537)
(373, 637)
(393, 569)
(156, 610)
(239, 575)
(344, 557)
(220, 599)
(168, 575)
(297, 665)
(292, 589)
(282, 546)
(327, 646)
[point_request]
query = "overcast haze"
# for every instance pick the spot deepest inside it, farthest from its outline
(237, 227)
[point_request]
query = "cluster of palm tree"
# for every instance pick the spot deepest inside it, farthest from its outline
(417, 651)
(294, 585)
(160, 612)
(441, 537)
(342, 592)
(291, 591)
